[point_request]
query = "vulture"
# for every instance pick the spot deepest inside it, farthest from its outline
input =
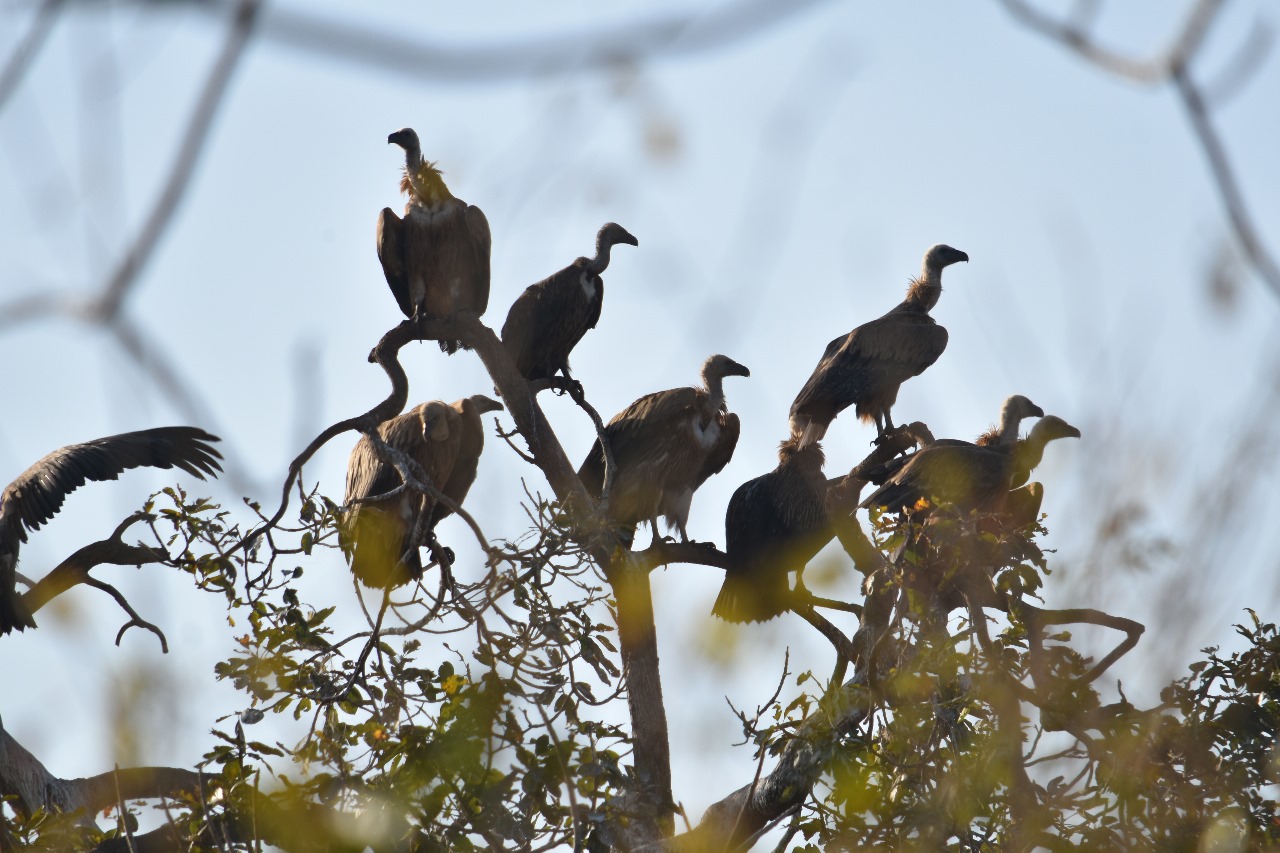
(1016, 409)
(381, 538)
(968, 475)
(435, 259)
(866, 367)
(550, 317)
(37, 495)
(775, 523)
(665, 445)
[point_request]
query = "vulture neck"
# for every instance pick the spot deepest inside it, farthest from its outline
(1008, 434)
(1031, 450)
(924, 291)
(422, 181)
(600, 262)
(713, 381)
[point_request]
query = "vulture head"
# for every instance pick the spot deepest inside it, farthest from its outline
(919, 432)
(1051, 427)
(941, 256)
(722, 366)
(1016, 409)
(611, 234)
(435, 421)
(407, 138)
(485, 404)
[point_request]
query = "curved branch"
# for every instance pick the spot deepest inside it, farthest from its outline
(74, 570)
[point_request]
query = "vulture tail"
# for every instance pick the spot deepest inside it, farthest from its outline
(741, 599)
(14, 614)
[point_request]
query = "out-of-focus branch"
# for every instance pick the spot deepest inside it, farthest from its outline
(1172, 65)
(26, 51)
(630, 41)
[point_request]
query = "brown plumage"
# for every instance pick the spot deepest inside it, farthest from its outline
(967, 475)
(546, 322)
(37, 494)
(665, 445)
(1013, 412)
(436, 259)
(866, 367)
(381, 538)
(470, 409)
(774, 524)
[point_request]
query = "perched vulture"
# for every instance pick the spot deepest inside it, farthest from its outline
(775, 524)
(37, 495)
(968, 475)
(1016, 409)
(436, 259)
(550, 317)
(867, 366)
(464, 469)
(381, 538)
(665, 445)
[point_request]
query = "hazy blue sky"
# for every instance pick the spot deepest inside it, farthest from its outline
(783, 187)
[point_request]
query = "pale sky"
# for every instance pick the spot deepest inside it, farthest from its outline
(783, 185)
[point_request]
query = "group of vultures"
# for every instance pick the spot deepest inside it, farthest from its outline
(664, 445)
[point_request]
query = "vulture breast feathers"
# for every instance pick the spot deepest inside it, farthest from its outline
(774, 524)
(549, 319)
(665, 445)
(37, 494)
(866, 367)
(435, 259)
(381, 537)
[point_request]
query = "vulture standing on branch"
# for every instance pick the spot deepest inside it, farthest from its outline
(665, 445)
(37, 495)
(1015, 410)
(775, 524)
(381, 537)
(546, 322)
(436, 259)
(867, 366)
(968, 475)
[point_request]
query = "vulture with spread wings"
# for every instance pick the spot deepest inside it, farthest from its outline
(37, 495)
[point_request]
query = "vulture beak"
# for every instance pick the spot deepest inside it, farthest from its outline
(735, 369)
(486, 404)
(405, 138)
(960, 256)
(628, 238)
(1036, 411)
(1069, 431)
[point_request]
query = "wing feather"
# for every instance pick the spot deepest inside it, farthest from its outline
(37, 494)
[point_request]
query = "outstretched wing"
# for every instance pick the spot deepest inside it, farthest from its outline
(38, 493)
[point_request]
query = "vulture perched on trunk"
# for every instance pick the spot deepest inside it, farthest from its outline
(37, 495)
(382, 538)
(665, 445)
(1016, 409)
(867, 366)
(470, 409)
(968, 475)
(436, 259)
(550, 317)
(775, 524)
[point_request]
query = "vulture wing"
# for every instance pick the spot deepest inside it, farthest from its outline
(391, 238)
(546, 323)
(962, 474)
(638, 434)
(38, 493)
(481, 242)
(722, 451)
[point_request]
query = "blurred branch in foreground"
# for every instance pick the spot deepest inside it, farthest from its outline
(1173, 66)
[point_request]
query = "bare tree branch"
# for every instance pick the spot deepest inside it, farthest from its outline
(28, 48)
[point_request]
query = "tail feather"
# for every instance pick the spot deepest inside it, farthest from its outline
(14, 613)
(742, 599)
